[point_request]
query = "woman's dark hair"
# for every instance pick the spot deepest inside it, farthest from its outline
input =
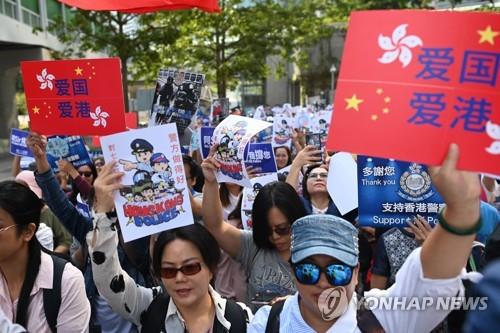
(288, 152)
(236, 213)
(310, 168)
(194, 172)
(276, 194)
(198, 236)
(24, 207)
(224, 195)
(74, 188)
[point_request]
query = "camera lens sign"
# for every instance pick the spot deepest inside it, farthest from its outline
(391, 193)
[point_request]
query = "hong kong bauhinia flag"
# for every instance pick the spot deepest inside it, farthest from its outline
(143, 6)
(412, 82)
(74, 97)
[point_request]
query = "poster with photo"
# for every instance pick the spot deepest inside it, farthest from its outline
(176, 98)
(282, 131)
(155, 195)
(219, 111)
(232, 135)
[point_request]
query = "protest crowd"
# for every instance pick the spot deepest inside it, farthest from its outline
(223, 220)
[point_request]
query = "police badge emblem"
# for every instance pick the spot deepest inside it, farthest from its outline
(415, 184)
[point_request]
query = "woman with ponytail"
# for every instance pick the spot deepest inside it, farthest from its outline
(26, 270)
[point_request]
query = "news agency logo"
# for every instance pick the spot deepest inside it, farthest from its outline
(332, 303)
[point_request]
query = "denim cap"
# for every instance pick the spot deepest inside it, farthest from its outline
(324, 234)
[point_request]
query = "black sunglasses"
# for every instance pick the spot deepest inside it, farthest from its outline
(188, 269)
(309, 273)
(85, 173)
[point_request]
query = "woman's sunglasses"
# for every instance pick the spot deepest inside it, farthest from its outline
(282, 230)
(85, 173)
(189, 269)
(336, 274)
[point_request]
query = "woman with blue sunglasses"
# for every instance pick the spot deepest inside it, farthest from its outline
(324, 259)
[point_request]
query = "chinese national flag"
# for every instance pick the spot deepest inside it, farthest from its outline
(143, 6)
(412, 82)
(74, 97)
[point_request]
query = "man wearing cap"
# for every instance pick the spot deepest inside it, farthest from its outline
(142, 150)
(324, 261)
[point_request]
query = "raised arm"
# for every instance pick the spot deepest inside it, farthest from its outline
(228, 236)
(82, 185)
(52, 193)
(445, 253)
(308, 155)
(122, 293)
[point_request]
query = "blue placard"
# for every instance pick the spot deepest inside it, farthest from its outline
(206, 134)
(69, 148)
(392, 192)
(18, 144)
(260, 156)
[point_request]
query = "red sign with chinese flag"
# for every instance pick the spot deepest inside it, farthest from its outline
(143, 6)
(412, 82)
(74, 97)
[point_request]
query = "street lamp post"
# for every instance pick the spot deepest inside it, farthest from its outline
(333, 69)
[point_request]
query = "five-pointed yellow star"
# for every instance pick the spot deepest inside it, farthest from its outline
(36, 110)
(488, 35)
(353, 102)
(79, 71)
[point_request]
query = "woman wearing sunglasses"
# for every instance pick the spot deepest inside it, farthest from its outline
(325, 265)
(185, 259)
(82, 179)
(315, 196)
(265, 251)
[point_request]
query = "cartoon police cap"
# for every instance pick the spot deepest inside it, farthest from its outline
(141, 145)
(158, 158)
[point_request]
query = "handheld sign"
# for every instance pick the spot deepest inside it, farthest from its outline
(155, 196)
(74, 97)
(18, 144)
(413, 79)
(392, 192)
(260, 156)
(206, 134)
(69, 148)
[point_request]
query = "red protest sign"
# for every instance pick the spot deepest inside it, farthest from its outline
(412, 82)
(74, 97)
(131, 120)
(144, 6)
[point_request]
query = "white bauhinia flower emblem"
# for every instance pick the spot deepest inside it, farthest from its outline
(399, 46)
(99, 117)
(45, 79)
(493, 132)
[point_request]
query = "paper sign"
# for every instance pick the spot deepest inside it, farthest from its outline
(260, 156)
(220, 110)
(18, 144)
(155, 196)
(414, 79)
(282, 131)
(343, 182)
(74, 97)
(69, 148)
(232, 135)
(206, 134)
(249, 195)
(176, 98)
(392, 192)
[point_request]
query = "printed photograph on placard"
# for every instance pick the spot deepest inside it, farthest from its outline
(69, 148)
(176, 98)
(220, 110)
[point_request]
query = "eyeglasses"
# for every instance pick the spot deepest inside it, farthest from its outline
(282, 230)
(309, 273)
(7, 228)
(322, 175)
(189, 269)
(85, 173)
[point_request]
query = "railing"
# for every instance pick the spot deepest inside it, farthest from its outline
(31, 18)
(9, 8)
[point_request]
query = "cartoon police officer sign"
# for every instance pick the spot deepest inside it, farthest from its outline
(155, 194)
